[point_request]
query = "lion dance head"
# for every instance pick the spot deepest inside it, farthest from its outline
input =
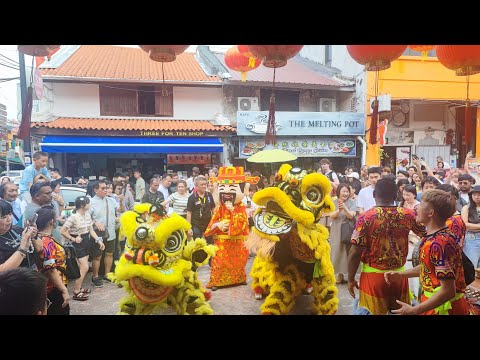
(293, 253)
(158, 266)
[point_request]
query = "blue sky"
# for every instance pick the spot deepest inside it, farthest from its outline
(8, 89)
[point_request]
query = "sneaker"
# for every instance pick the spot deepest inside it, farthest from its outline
(97, 282)
(104, 278)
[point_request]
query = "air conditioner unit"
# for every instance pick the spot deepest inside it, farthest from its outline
(327, 105)
(384, 103)
(248, 104)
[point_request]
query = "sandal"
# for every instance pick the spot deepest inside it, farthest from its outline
(85, 291)
(80, 296)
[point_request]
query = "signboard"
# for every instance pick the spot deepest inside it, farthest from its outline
(474, 165)
(403, 153)
(311, 147)
(38, 84)
(253, 123)
(156, 133)
(176, 159)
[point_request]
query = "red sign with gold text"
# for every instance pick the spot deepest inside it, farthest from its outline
(178, 159)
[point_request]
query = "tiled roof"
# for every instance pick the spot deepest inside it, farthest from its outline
(125, 63)
(293, 73)
(131, 124)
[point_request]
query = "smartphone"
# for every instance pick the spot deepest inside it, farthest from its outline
(33, 219)
(414, 156)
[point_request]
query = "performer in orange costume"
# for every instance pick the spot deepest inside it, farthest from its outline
(229, 228)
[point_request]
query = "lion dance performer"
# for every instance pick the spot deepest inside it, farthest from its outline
(229, 228)
(293, 254)
(158, 267)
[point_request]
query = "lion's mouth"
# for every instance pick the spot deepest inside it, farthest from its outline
(273, 220)
(148, 292)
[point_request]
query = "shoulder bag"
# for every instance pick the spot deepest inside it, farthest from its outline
(72, 270)
(346, 230)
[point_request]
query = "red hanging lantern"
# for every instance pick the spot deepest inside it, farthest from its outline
(274, 56)
(244, 50)
(163, 53)
(38, 50)
(375, 58)
(465, 61)
(236, 61)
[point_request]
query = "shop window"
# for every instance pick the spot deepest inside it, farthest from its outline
(285, 100)
(146, 100)
(125, 100)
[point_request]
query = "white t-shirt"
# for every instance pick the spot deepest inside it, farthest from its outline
(365, 198)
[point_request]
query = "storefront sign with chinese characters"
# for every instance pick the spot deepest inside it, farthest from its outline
(177, 159)
(310, 147)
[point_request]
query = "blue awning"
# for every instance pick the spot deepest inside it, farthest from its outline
(90, 144)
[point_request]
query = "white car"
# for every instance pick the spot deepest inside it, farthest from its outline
(15, 175)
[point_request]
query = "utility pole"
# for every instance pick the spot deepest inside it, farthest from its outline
(23, 96)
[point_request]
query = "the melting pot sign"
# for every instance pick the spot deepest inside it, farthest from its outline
(254, 123)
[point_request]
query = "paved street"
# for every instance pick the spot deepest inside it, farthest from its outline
(236, 300)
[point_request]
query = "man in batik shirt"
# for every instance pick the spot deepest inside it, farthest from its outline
(380, 242)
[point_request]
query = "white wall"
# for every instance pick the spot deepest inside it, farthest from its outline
(195, 103)
(341, 60)
(76, 100)
(82, 100)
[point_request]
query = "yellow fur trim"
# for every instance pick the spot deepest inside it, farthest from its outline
(262, 197)
(128, 225)
(284, 169)
(319, 181)
(199, 244)
(142, 208)
(168, 226)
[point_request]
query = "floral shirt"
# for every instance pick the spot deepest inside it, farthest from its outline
(53, 258)
(457, 226)
(441, 258)
(383, 233)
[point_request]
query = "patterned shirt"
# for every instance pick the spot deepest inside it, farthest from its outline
(457, 226)
(441, 258)
(78, 224)
(53, 258)
(383, 233)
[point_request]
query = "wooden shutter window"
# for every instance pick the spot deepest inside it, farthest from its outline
(164, 102)
(118, 100)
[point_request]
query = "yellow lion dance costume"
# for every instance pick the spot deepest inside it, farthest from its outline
(293, 253)
(158, 267)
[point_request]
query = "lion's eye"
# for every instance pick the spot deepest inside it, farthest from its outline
(141, 233)
(174, 242)
(314, 195)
